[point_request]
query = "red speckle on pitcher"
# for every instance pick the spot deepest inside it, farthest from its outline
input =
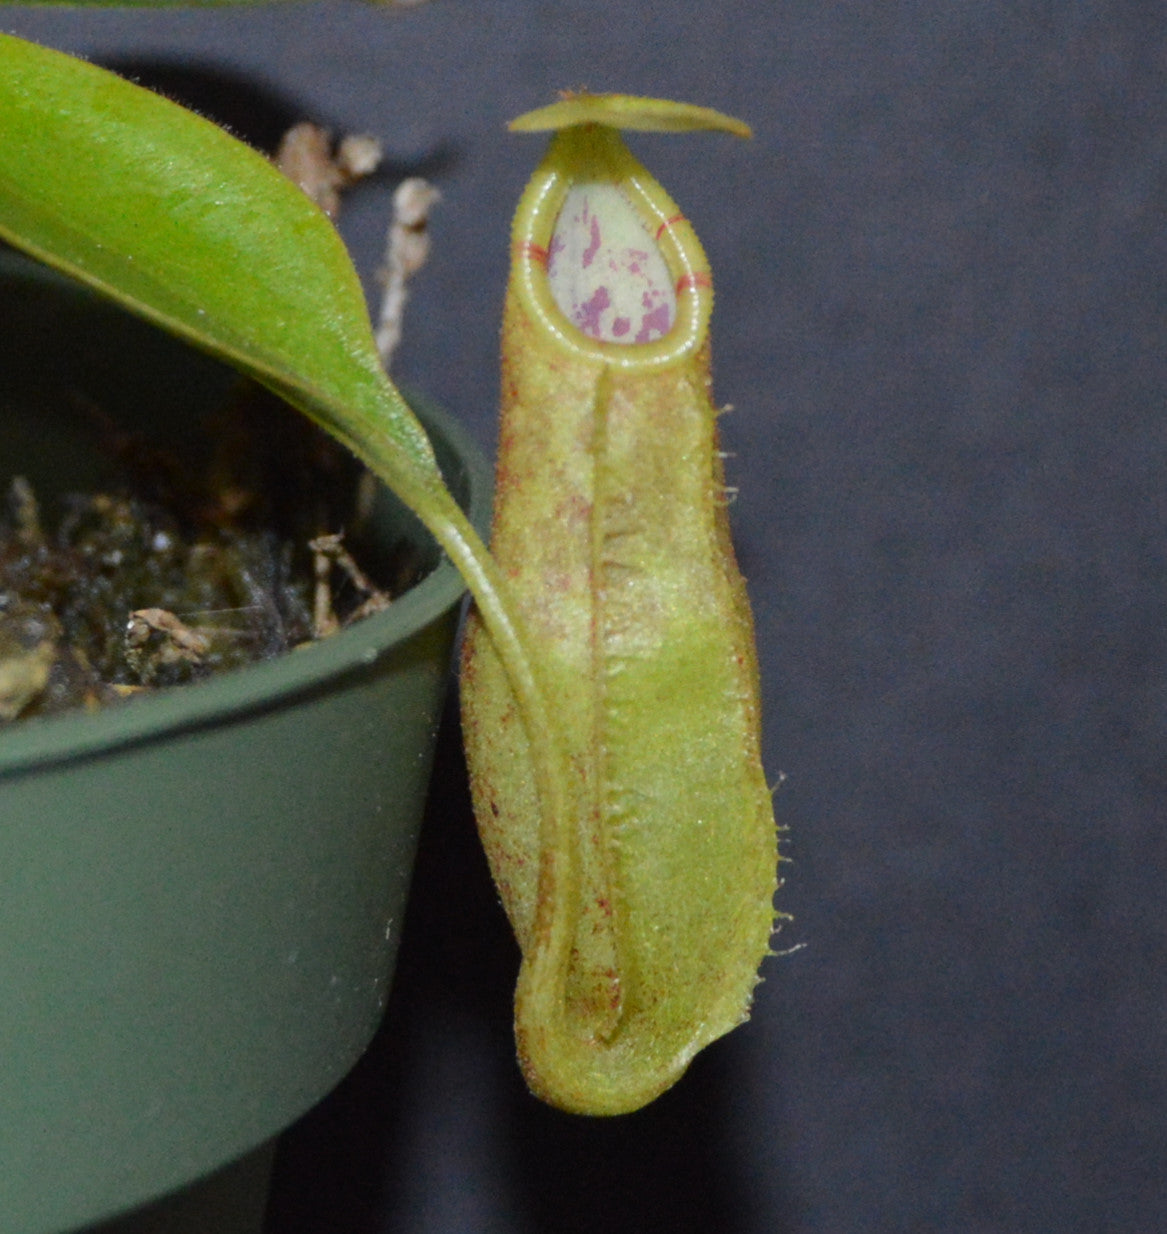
(606, 273)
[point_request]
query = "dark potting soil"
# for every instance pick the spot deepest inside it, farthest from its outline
(172, 572)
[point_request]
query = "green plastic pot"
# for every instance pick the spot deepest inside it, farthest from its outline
(201, 892)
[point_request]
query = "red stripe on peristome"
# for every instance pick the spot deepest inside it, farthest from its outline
(691, 282)
(536, 252)
(677, 218)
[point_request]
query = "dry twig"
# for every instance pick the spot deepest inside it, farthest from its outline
(305, 156)
(407, 249)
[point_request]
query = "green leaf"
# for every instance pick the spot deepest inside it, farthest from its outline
(170, 216)
(166, 213)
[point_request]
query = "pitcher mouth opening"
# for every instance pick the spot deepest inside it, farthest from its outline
(606, 272)
(605, 260)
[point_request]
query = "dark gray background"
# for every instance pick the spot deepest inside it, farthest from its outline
(940, 317)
